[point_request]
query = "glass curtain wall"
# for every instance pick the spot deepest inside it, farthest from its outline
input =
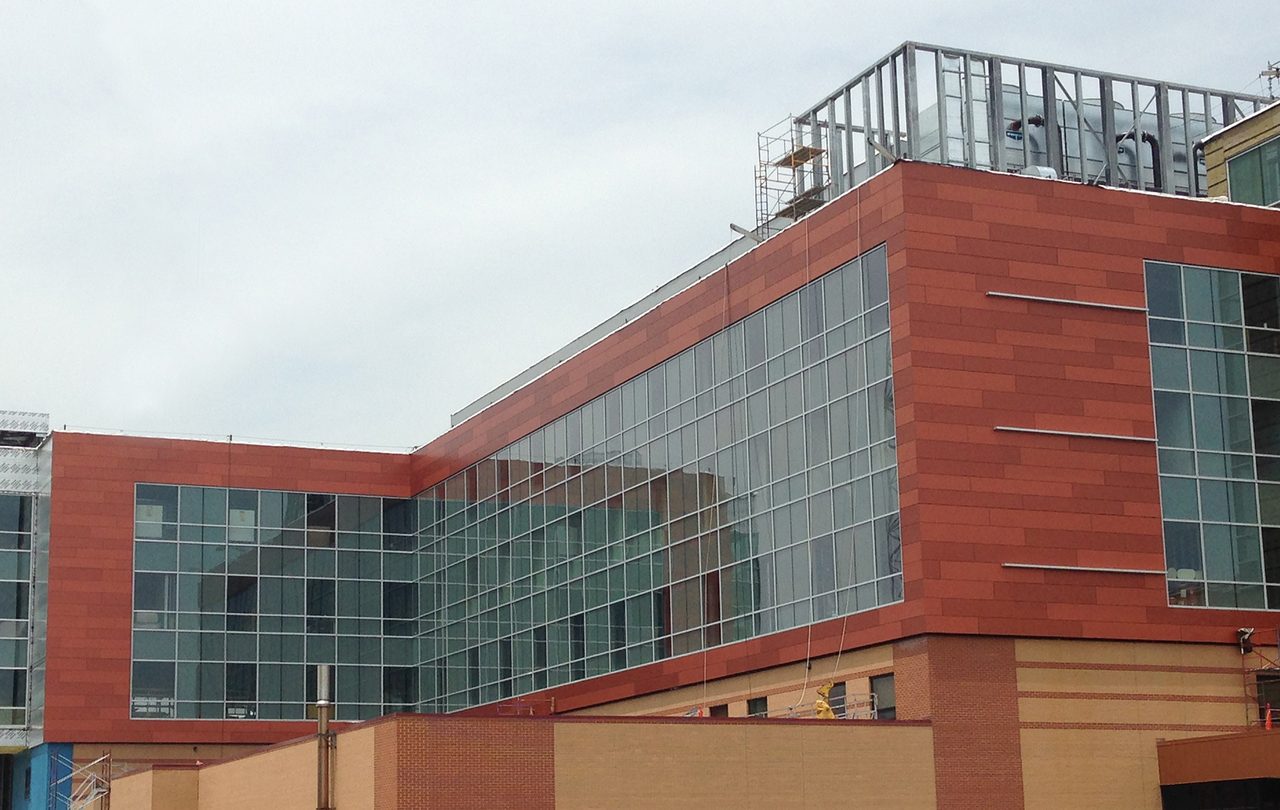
(1215, 361)
(238, 593)
(745, 486)
(15, 600)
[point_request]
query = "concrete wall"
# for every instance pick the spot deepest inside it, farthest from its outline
(1239, 138)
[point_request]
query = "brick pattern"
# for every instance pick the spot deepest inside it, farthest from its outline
(91, 567)
(977, 754)
(506, 763)
(911, 679)
(386, 765)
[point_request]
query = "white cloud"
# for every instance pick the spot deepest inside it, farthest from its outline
(343, 221)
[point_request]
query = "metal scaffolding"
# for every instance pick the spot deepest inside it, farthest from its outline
(983, 111)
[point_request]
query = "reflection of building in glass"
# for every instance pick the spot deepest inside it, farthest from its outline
(745, 486)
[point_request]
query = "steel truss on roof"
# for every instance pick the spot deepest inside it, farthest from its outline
(983, 111)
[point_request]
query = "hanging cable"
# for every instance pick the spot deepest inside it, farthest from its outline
(844, 624)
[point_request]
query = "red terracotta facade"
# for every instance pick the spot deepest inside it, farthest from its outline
(973, 498)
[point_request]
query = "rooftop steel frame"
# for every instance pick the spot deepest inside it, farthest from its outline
(985, 111)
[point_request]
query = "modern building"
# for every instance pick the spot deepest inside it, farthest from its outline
(988, 452)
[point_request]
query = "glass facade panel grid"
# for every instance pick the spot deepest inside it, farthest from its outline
(236, 592)
(745, 486)
(710, 499)
(1215, 376)
(16, 527)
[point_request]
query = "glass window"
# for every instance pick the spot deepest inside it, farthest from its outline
(1261, 295)
(1164, 290)
(882, 689)
(1219, 503)
(1244, 178)
(1212, 295)
(1218, 373)
(1222, 423)
(1173, 419)
(1264, 376)
(1270, 158)
(1169, 368)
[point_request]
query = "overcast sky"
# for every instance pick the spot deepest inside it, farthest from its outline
(341, 222)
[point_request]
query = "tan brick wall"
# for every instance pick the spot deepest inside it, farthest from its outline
(177, 789)
(130, 757)
(1092, 711)
(354, 771)
(700, 764)
(157, 789)
(282, 778)
(133, 792)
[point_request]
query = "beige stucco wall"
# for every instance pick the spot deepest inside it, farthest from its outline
(281, 778)
(743, 765)
(161, 789)
(354, 769)
(1091, 713)
(133, 792)
(1240, 138)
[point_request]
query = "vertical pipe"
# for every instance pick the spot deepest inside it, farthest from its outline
(893, 118)
(1080, 142)
(324, 738)
(912, 97)
(1022, 114)
(1186, 143)
(1054, 152)
(944, 152)
(996, 114)
(849, 160)
(880, 136)
(1108, 112)
(1140, 174)
(873, 157)
(966, 106)
(1164, 141)
(834, 145)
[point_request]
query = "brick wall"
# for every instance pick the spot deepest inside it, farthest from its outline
(973, 691)
(448, 762)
